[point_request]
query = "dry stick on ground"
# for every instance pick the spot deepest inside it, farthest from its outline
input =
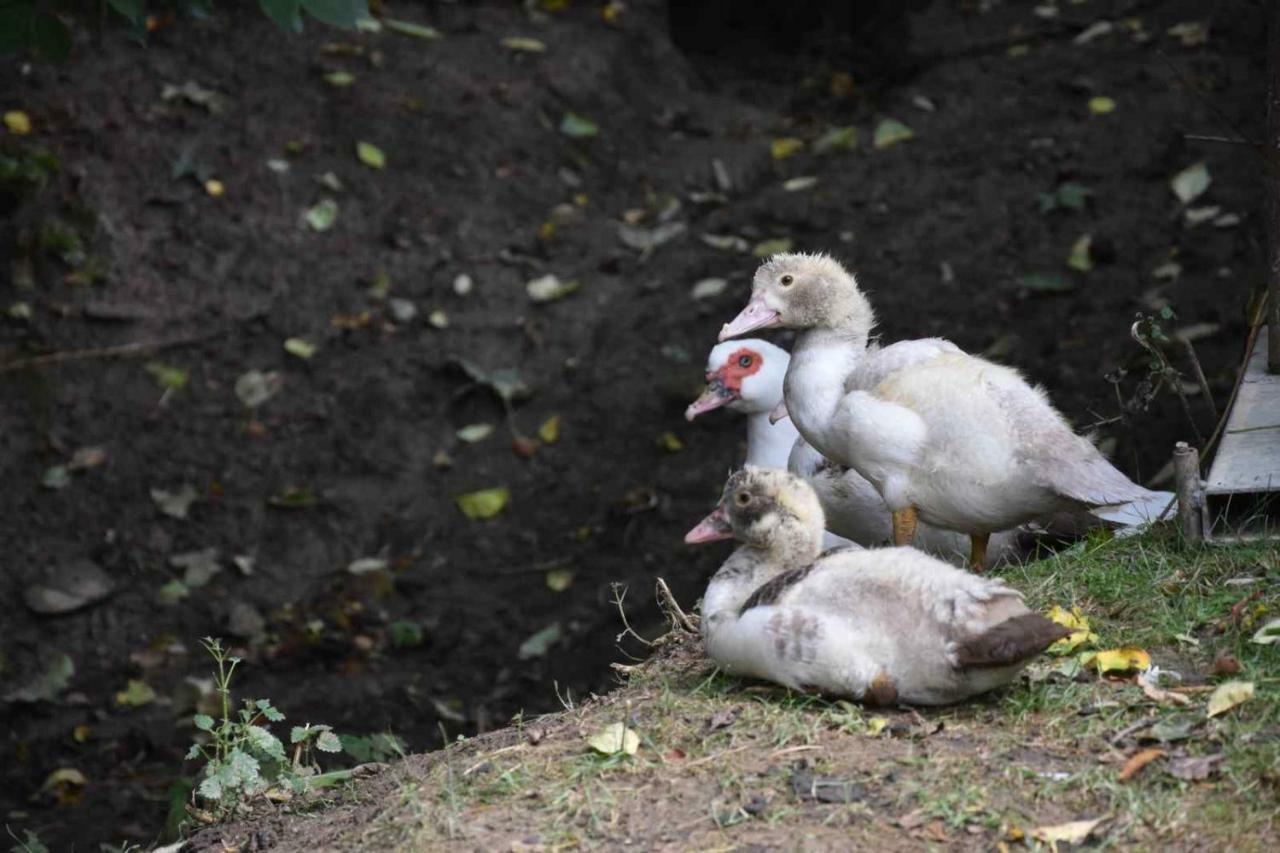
(667, 601)
(129, 350)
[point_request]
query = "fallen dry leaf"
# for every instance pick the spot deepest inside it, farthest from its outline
(1228, 695)
(613, 739)
(1071, 833)
(1137, 761)
(1194, 769)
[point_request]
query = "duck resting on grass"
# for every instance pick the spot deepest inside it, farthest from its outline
(884, 626)
(945, 437)
(745, 376)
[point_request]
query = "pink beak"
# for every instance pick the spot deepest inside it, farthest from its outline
(755, 316)
(713, 396)
(779, 412)
(711, 529)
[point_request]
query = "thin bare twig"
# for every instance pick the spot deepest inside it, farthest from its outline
(1198, 371)
(619, 595)
(129, 350)
(667, 601)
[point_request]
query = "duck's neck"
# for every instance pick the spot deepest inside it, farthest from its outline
(750, 566)
(820, 363)
(769, 445)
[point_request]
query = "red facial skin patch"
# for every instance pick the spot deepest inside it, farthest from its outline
(737, 367)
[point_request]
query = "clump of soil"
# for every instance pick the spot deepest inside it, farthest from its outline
(492, 172)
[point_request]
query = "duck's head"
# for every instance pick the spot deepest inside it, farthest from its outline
(745, 376)
(797, 291)
(766, 508)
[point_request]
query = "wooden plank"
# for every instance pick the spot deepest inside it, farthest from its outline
(1248, 458)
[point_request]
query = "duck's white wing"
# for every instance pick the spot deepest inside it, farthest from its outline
(1056, 457)
(880, 363)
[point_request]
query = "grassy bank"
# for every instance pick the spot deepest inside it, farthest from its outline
(721, 764)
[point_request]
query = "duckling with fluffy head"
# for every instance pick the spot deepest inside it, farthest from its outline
(834, 624)
(945, 437)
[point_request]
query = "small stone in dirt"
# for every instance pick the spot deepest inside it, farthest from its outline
(756, 805)
(825, 789)
(87, 457)
(69, 586)
(198, 567)
(175, 504)
(245, 622)
(402, 310)
(723, 719)
(462, 285)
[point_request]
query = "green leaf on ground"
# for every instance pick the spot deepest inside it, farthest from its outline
(787, 146)
(371, 155)
(529, 45)
(1101, 105)
(578, 127)
(836, 139)
(168, 377)
(549, 431)
(1191, 182)
(472, 433)
(56, 477)
(485, 503)
(1047, 282)
(549, 288)
(340, 79)
(300, 347)
(408, 28)
(775, 246)
(1268, 634)
(337, 13)
(558, 580)
(538, 644)
(136, 694)
(322, 215)
(890, 132)
(1081, 257)
(175, 504)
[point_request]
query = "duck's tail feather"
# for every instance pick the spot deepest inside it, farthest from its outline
(1010, 642)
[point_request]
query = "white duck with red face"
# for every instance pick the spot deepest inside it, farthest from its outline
(746, 376)
(952, 439)
(882, 626)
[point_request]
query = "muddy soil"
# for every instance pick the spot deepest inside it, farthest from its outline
(356, 455)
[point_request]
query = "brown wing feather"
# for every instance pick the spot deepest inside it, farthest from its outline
(1012, 641)
(771, 590)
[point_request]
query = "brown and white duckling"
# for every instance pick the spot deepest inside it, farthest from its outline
(883, 626)
(945, 437)
(746, 376)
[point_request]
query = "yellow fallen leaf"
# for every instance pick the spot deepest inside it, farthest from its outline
(1101, 105)
(613, 739)
(1228, 695)
(549, 432)
(214, 188)
(783, 148)
(670, 442)
(17, 122)
(1070, 833)
(485, 503)
(1080, 631)
(876, 725)
(1120, 660)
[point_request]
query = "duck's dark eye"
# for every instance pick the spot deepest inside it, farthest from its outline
(744, 361)
(786, 280)
(743, 498)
